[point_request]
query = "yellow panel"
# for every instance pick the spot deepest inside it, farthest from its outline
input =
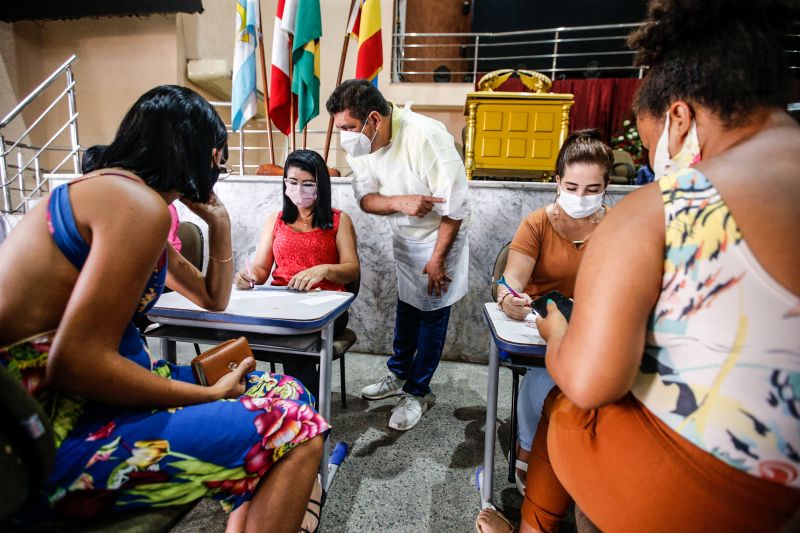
(516, 148)
(518, 121)
(490, 147)
(517, 132)
(543, 149)
(493, 121)
(544, 121)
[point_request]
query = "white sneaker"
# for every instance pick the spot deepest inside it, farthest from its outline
(408, 412)
(390, 385)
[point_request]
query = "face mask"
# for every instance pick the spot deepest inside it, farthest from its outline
(357, 144)
(579, 206)
(688, 156)
(301, 196)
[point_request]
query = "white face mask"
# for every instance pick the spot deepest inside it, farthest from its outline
(357, 144)
(689, 154)
(579, 206)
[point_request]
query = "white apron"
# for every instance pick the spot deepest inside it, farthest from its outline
(412, 256)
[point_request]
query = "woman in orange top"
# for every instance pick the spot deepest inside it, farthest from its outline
(545, 254)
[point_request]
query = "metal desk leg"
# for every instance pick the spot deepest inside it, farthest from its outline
(512, 452)
(169, 351)
(491, 426)
(324, 400)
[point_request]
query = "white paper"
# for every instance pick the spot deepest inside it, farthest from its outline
(314, 300)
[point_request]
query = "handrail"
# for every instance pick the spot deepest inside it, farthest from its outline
(23, 183)
(37, 91)
(523, 32)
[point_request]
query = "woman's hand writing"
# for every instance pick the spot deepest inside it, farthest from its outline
(516, 308)
(244, 281)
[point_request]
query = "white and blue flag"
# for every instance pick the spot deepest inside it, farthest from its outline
(243, 98)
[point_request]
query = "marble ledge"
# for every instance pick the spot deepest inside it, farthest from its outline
(473, 184)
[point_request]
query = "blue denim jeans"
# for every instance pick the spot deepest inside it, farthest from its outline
(418, 344)
(530, 401)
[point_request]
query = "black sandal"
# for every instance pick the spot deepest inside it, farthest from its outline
(315, 514)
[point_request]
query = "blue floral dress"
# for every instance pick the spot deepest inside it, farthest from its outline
(111, 458)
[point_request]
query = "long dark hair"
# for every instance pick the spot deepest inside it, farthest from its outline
(311, 162)
(166, 138)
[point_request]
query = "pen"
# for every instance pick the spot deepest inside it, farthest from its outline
(249, 272)
(502, 281)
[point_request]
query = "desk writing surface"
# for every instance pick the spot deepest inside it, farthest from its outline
(262, 305)
(512, 331)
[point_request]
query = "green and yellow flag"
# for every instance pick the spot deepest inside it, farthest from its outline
(305, 58)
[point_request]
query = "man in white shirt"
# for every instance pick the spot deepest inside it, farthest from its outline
(406, 167)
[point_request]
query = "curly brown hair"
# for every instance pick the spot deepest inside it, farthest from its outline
(726, 55)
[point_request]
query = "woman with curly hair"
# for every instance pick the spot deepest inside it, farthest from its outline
(679, 404)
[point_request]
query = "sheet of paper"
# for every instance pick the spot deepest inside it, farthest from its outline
(314, 300)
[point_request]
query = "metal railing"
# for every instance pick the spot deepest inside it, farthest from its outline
(559, 52)
(21, 163)
(462, 56)
(248, 146)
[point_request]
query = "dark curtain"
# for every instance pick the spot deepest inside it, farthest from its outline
(602, 103)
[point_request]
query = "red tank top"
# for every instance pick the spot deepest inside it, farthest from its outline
(295, 251)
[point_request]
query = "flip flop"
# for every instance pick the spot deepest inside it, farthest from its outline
(519, 465)
(500, 515)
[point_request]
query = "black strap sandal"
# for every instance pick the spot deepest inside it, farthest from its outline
(313, 513)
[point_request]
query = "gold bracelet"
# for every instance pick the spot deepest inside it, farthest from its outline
(228, 260)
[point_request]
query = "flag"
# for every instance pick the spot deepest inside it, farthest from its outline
(305, 57)
(365, 25)
(243, 97)
(280, 93)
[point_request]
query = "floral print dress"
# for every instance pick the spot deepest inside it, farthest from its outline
(111, 459)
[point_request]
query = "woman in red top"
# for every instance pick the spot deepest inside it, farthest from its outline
(310, 244)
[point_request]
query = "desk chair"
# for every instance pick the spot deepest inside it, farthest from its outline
(341, 344)
(517, 364)
(27, 453)
(192, 250)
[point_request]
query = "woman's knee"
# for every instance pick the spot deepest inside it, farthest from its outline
(311, 448)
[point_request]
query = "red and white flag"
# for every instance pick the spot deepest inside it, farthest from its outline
(280, 87)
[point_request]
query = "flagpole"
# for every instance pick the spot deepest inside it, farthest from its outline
(339, 77)
(291, 94)
(270, 144)
(305, 136)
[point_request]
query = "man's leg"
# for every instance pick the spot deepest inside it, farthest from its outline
(430, 343)
(406, 332)
(405, 346)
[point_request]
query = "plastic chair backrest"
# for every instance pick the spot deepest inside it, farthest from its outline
(499, 267)
(191, 243)
(354, 286)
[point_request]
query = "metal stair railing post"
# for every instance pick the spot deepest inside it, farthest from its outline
(7, 179)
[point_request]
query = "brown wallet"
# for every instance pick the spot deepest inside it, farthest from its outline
(215, 362)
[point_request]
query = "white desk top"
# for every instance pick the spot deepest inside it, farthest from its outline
(263, 309)
(512, 331)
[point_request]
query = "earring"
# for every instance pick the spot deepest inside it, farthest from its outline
(556, 210)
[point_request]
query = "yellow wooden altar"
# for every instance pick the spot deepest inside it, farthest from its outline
(514, 133)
